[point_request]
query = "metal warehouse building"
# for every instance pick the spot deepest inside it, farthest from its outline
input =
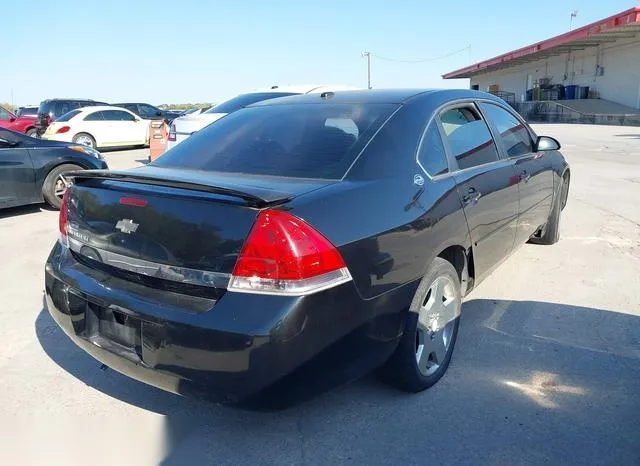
(591, 74)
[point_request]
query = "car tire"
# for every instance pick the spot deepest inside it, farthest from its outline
(550, 232)
(32, 133)
(85, 139)
(52, 191)
(431, 328)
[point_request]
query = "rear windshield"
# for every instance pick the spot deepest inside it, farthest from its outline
(246, 99)
(302, 141)
(68, 116)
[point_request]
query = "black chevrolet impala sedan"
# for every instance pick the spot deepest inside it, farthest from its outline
(327, 234)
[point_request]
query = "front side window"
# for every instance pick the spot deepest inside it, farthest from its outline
(117, 115)
(431, 153)
(514, 136)
(147, 111)
(95, 116)
(302, 141)
(468, 137)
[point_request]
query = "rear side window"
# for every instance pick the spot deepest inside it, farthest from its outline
(514, 136)
(431, 153)
(246, 99)
(303, 141)
(4, 114)
(68, 116)
(468, 137)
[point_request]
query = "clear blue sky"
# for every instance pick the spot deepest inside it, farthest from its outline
(197, 50)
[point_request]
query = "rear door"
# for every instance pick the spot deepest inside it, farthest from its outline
(533, 169)
(486, 184)
(17, 179)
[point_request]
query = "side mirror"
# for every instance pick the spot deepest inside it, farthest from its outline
(12, 119)
(158, 113)
(546, 143)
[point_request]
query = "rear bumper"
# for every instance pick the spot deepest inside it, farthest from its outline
(230, 349)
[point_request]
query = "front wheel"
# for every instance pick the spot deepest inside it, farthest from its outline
(55, 184)
(550, 233)
(423, 355)
(32, 133)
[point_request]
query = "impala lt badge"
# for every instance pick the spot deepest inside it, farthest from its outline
(127, 226)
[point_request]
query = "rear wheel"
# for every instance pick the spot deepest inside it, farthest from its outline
(423, 355)
(55, 184)
(32, 133)
(85, 139)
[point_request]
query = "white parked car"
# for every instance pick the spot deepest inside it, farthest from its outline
(184, 126)
(99, 127)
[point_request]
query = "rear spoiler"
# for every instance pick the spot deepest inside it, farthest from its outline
(260, 199)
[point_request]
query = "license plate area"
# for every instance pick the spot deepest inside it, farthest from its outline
(119, 327)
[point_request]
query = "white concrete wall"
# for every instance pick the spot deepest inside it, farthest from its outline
(619, 83)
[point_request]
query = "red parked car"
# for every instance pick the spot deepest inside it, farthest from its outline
(21, 124)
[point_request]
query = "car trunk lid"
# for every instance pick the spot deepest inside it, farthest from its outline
(174, 225)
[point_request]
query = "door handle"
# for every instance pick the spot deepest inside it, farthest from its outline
(472, 197)
(524, 176)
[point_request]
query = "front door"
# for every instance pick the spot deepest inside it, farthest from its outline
(533, 170)
(17, 179)
(486, 184)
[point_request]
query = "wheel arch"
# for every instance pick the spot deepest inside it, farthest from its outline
(462, 260)
(49, 168)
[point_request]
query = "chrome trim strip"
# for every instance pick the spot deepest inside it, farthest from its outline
(148, 268)
(303, 287)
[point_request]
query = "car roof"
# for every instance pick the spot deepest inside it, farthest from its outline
(359, 96)
(70, 99)
(396, 96)
(95, 108)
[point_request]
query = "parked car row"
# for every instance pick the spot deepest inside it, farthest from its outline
(303, 239)
(52, 109)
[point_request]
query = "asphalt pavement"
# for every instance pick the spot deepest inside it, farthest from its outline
(546, 369)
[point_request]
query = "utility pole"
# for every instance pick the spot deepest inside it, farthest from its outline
(368, 55)
(574, 14)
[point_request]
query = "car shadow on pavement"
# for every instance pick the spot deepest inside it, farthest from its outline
(530, 383)
(22, 210)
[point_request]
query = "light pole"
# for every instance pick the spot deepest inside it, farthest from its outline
(368, 55)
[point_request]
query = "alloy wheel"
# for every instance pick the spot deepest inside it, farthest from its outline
(436, 323)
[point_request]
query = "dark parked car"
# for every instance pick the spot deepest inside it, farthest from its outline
(324, 235)
(33, 170)
(51, 109)
(149, 112)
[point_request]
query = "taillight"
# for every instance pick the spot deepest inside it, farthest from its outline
(63, 219)
(172, 133)
(63, 129)
(285, 255)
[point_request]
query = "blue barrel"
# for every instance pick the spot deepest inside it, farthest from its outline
(570, 92)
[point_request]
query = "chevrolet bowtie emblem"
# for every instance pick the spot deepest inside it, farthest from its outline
(127, 226)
